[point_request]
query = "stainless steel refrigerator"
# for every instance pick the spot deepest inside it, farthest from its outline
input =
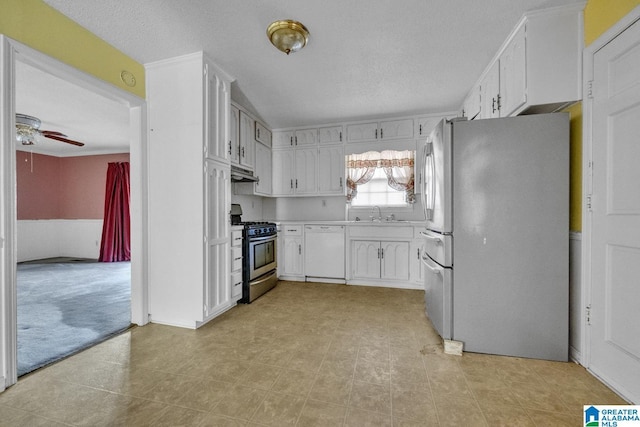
(496, 258)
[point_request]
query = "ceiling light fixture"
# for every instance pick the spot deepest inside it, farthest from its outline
(287, 35)
(27, 129)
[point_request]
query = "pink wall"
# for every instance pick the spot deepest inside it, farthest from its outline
(62, 187)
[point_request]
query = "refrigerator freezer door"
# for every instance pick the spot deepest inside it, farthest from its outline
(437, 199)
(439, 247)
(438, 282)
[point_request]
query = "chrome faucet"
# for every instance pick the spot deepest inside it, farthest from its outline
(379, 218)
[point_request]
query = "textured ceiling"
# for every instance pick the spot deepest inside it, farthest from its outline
(364, 58)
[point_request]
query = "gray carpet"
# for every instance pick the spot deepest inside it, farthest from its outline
(66, 307)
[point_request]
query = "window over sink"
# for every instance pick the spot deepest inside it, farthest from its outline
(384, 179)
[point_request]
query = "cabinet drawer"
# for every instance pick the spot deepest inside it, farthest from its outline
(381, 232)
(236, 238)
(236, 284)
(236, 258)
(292, 230)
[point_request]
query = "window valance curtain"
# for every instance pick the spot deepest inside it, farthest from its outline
(397, 165)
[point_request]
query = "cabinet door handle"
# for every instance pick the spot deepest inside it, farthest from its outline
(299, 249)
(242, 151)
(420, 131)
(493, 104)
(340, 182)
(378, 253)
(296, 183)
(499, 103)
(376, 133)
(291, 141)
(418, 252)
(296, 140)
(258, 133)
(340, 136)
(292, 184)
(382, 253)
(229, 147)
(381, 133)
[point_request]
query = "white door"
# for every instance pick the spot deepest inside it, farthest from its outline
(614, 325)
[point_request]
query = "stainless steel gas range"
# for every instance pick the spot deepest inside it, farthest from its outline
(259, 256)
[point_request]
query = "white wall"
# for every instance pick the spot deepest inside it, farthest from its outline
(38, 239)
(321, 208)
(252, 209)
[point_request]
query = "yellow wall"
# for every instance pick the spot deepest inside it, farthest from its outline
(41, 27)
(600, 15)
(575, 177)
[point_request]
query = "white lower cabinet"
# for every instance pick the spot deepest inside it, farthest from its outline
(292, 267)
(416, 269)
(386, 260)
(218, 241)
(236, 263)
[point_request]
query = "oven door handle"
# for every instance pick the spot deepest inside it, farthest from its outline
(262, 239)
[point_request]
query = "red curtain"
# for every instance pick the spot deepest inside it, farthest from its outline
(116, 228)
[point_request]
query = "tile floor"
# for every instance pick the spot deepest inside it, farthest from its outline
(307, 355)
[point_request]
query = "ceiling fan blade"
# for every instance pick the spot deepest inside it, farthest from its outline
(52, 132)
(57, 136)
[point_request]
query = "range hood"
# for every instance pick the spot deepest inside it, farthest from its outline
(239, 174)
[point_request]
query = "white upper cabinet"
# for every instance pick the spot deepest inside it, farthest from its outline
(424, 126)
(217, 98)
(513, 84)
(263, 134)
(306, 137)
(537, 69)
(247, 141)
(471, 104)
(282, 139)
(391, 129)
(306, 167)
(331, 170)
(490, 93)
(362, 132)
(283, 172)
(234, 135)
(299, 137)
(263, 171)
(330, 135)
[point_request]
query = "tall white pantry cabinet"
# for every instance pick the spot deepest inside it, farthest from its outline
(189, 190)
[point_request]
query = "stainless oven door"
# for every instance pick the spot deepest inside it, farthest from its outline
(262, 256)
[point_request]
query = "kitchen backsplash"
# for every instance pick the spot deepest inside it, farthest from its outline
(321, 208)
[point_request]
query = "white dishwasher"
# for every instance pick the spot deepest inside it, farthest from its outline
(324, 252)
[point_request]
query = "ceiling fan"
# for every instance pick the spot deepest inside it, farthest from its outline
(28, 128)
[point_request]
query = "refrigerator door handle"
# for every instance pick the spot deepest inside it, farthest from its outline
(429, 181)
(427, 263)
(436, 239)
